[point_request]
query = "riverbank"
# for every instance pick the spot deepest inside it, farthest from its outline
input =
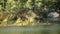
(32, 24)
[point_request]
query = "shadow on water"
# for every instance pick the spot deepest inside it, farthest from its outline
(50, 29)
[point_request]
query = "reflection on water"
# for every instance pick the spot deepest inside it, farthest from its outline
(51, 29)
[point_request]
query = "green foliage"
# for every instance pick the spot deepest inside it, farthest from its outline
(39, 7)
(1, 1)
(28, 4)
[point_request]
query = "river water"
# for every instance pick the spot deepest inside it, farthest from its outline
(43, 29)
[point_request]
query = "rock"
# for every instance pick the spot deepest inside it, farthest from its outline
(53, 16)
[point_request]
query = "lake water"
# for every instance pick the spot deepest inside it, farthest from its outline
(43, 29)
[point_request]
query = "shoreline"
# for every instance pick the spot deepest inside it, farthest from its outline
(21, 25)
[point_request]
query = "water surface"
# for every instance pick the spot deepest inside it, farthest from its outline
(46, 29)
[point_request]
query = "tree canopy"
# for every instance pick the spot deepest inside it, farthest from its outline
(22, 7)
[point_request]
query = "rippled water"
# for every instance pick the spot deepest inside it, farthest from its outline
(48, 29)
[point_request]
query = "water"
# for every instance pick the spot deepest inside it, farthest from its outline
(46, 29)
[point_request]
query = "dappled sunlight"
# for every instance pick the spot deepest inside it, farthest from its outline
(27, 11)
(18, 20)
(5, 21)
(29, 16)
